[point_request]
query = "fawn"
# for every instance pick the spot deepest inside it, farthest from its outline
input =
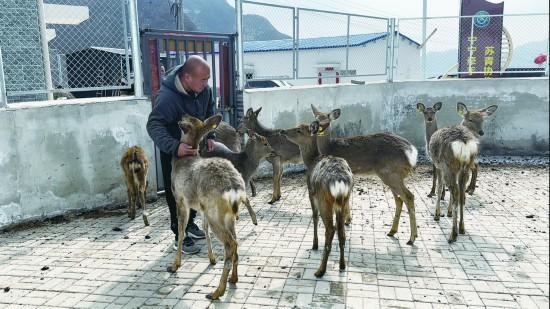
(212, 186)
(284, 150)
(246, 162)
(330, 184)
(453, 151)
(391, 157)
(135, 165)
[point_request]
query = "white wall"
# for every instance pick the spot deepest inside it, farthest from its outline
(367, 59)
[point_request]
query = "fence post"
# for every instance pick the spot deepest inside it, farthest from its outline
(347, 45)
(240, 65)
(294, 43)
(136, 55)
(45, 49)
(391, 46)
(3, 95)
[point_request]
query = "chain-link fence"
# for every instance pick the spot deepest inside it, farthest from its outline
(67, 48)
(474, 46)
(312, 45)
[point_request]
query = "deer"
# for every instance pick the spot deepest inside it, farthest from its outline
(135, 166)
(454, 150)
(284, 151)
(390, 157)
(246, 161)
(430, 121)
(330, 184)
(215, 188)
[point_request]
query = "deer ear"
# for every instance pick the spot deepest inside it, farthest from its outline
(437, 106)
(335, 114)
(249, 112)
(258, 111)
(488, 111)
(461, 109)
(183, 126)
(213, 122)
(315, 110)
(420, 107)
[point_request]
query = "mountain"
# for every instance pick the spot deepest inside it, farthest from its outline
(206, 16)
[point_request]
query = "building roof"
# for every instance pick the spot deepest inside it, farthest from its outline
(317, 43)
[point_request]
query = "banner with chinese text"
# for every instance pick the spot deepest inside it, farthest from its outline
(480, 38)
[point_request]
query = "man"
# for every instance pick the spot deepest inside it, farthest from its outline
(183, 91)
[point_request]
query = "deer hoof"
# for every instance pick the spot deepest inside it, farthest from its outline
(436, 217)
(233, 279)
(410, 242)
(145, 220)
(319, 273)
(431, 194)
(172, 268)
(461, 231)
(391, 233)
(315, 247)
(213, 296)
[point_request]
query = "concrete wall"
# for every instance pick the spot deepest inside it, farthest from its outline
(519, 126)
(58, 157)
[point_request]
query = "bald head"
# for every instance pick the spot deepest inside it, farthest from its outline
(195, 74)
(193, 64)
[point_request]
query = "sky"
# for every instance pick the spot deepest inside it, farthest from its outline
(523, 29)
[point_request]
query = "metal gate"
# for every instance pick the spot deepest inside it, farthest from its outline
(165, 49)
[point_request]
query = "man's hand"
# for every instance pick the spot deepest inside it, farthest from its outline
(211, 145)
(186, 150)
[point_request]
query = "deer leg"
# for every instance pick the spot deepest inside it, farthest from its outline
(277, 175)
(230, 248)
(434, 181)
(131, 201)
(211, 255)
(397, 215)
(340, 219)
(315, 216)
(235, 258)
(326, 215)
(142, 189)
(450, 205)
(183, 215)
(453, 205)
(409, 201)
(251, 211)
(473, 181)
(252, 187)
(463, 178)
(440, 191)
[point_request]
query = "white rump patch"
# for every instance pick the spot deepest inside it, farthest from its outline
(233, 196)
(412, 155)
(339, 188)
(464, 152)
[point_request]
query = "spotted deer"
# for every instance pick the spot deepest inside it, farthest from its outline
(430, 122)
(246, 161)
(453, 150)
(330, 184)
(388, 156)
(285, 151)
(135, 166)
(212, 186)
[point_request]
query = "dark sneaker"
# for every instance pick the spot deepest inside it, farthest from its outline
(189, 246)
(194, 231)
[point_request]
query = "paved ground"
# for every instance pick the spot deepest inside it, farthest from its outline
(502, 261)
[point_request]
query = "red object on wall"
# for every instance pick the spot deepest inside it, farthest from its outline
(540, 59)
(337, 77)
(319, 80)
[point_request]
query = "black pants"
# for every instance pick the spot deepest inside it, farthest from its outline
(166, 163)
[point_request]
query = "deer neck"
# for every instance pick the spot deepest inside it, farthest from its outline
(430, 130)
(310, 153)
(262, 130)
(323, 141)
(472, 130)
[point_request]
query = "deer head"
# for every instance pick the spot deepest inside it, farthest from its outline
(428, 112)
(300, 135)
(473, 119)
(193, 129)
(324, 119)
(258, 145)
(249, 121)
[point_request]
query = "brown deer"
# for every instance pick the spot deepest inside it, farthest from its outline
(246, 162)
(285, 151)
(212, 186)
(430, 121)
(453, 150)
(388, 156)
(135, 165)
(330, 184)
